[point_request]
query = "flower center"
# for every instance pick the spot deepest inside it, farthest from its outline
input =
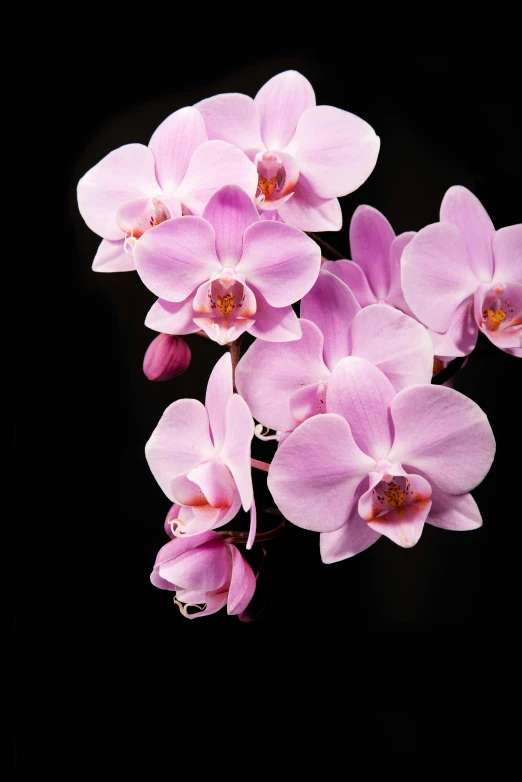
(226, 304)
(272, 176)
(393, 493)
(277, 175)
(494, 319)
(501, 311)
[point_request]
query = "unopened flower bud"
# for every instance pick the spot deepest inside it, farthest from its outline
(167, 356)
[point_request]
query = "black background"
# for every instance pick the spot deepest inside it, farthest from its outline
(395, 659)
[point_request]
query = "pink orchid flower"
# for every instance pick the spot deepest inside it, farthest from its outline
(200, 456)
(136, 187)
(286, 383)
(460, 276)
(374, 273)
(227, 272)
(306, 155)
(382, 463)
(206, 573)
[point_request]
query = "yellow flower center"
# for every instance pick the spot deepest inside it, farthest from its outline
(267, 186)
(394, 495)
(226, 304)
(495, 318)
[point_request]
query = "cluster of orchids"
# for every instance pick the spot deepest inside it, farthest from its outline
(219, 216)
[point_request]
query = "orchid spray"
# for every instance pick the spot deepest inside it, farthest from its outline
(217, 215)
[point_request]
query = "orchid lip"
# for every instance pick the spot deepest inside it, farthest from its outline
(277, 177)
(501, 312)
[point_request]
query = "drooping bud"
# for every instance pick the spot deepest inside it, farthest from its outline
(167, 356)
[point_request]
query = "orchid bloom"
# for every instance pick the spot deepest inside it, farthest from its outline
(374, 273)
(227, 272)
(306, 156)
(206, 573)
(135, 187)
(200, 456)
(286, 383)
(460, 276)
(382, 463)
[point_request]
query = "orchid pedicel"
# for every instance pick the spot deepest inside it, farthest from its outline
(216, 217)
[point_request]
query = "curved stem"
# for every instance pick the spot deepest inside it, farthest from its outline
(234, 536)
(260, 465)
(326, 247)
(235, 353)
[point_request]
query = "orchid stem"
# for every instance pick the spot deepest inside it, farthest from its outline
(326, 247)
(235, 353)
(260, 465)
(233, 536)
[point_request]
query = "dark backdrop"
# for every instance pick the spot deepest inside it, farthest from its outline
(395, 659)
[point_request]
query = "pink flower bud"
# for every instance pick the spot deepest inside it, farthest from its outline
(167, 356)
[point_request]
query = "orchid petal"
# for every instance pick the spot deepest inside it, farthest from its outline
(219, 391)
(353, 276)
(507, 248)
(216, 483)
(395, 295)
(362, 394)
(350, 539)
(172, 317)
(405, 528)
(232, 117)
(230, 211)
(308, 401)
(281, 101)
(461, 337)
(186, 492)
(456, 512)
(242, 582)
(286, 367)
(331, 305)
(444, 434)
(173, 144)
(224, 333)
(274, 324)
(174, 548)
(236, 447)
(371, 236)
(463, 209)
(335, 150)
(308, 211)
(315, 472)
(180, 440)
(111, 257)
(196, 519)
(176, 257)
(395, 343)
(280, 261)
(203, 568)
(124, 174)
(436, 275)
(213, 165)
